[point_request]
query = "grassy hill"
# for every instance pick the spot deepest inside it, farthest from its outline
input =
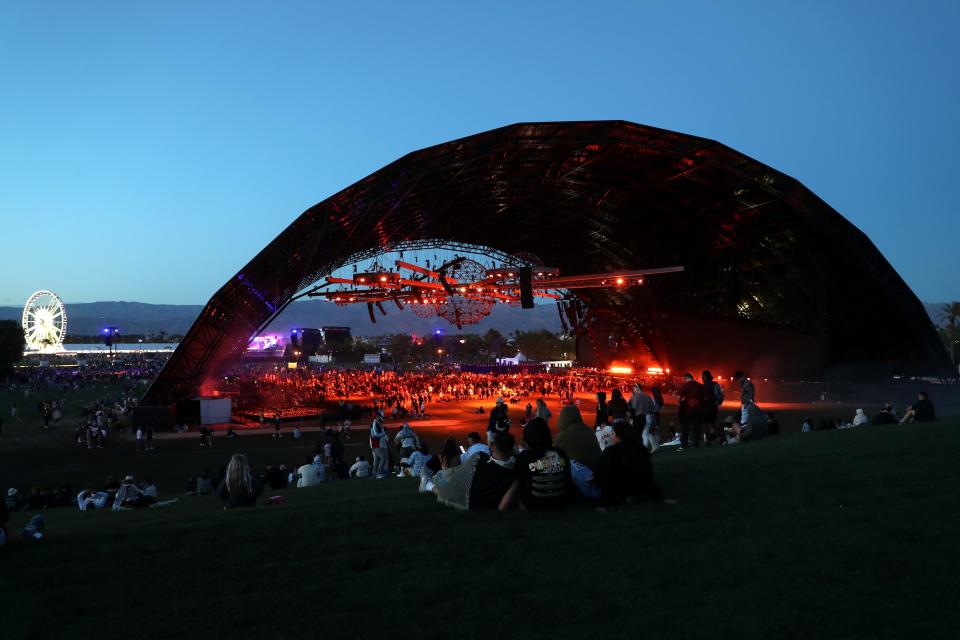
(848, 534)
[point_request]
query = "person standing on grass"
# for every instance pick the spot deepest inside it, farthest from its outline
(691, 427)
(602, 411)
(498, 421)
(378, 447)
(710, 401)
(641, 407)
(141, 439)
(617, 406)
(748, 392)
(149, 436)
(407, 440)
(276, 424)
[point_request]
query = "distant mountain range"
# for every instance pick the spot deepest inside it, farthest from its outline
(89, 318)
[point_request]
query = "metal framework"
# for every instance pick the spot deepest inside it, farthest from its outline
(763, 255)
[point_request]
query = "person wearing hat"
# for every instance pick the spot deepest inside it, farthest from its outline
(129, 496)
(498, 422)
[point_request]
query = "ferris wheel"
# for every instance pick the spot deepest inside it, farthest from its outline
(44, 322)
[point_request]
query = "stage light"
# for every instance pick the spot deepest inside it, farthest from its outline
(621, 370)
(655, 370)
(619, 281)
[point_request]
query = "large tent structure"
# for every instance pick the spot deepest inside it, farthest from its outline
(775, 281)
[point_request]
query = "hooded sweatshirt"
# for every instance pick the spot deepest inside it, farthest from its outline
(576, 439)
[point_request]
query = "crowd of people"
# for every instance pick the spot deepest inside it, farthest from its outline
(509, 467)
(402, 395)
(921, 410)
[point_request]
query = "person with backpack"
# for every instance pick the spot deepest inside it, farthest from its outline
(710, 401)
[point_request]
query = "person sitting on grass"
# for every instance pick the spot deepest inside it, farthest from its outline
(576, 439)
(483, 481)
(920, 411)
(412, 465)
(860, 418)
(276, 477)
(204, 483)
(624, 472)
(149, 489)
(311, 473)
(773, 425)
(474, 445)
(239, 488)
(360, 468)
(129, 496)
(543, 472)
(90, 499)
(753, 423)
(437, 469)
(886, 415)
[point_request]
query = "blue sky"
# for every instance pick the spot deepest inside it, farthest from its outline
(148, 150)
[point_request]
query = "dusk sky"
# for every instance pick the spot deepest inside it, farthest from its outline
(149, 150)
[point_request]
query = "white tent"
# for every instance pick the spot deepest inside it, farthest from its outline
(517, 359)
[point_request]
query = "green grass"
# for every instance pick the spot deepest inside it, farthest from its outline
(848, 534)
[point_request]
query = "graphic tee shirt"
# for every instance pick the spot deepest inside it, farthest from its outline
(544, 478)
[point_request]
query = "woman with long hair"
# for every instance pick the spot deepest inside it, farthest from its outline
(617, 405)
(239, 488)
